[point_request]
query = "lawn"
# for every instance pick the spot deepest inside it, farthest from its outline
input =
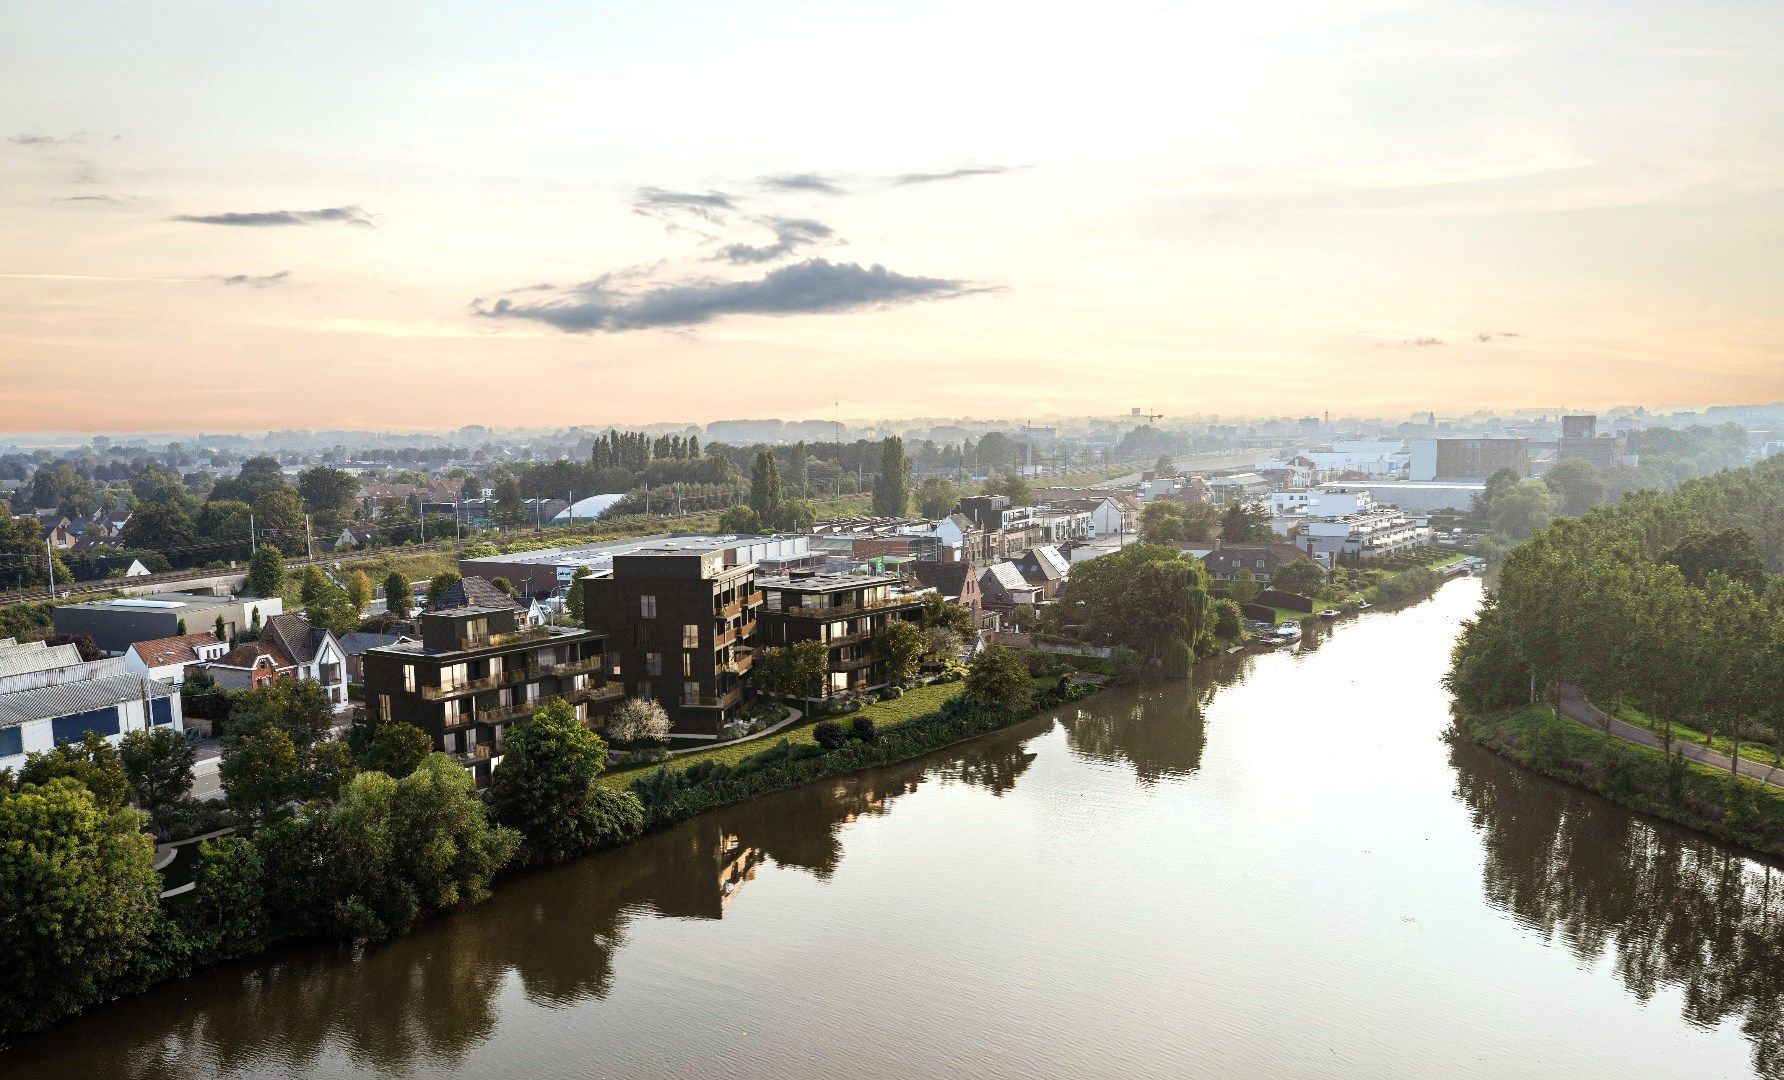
(1750, 750)
(918, 702)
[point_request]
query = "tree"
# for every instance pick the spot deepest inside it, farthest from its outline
(1522, 510)
(258, 476)
(397, 748)
(937, 498)
(83, 644)
(224, 916)
(576, 597)
(741, 520)
(438, 585)
(1730, 552)
(165, 527)
(892, 487)
(1303, 576)
(329, 493)
(279, 515)
(546, 789)
(326, 604)
(638, 720)
(90, 760)
(765, 486)
(260, 774)
(502, 585)
(359, 590)
(1165, 466)
(158, 763)
(1245, 523)
(938, 612)
(1228, 619)
(510, 509)
(1576, 484)
(899, 644)
(1142, 597)
(398, 594)
(799, 670)
(796, 515)
(78, 900)
(266, 572)
(1018, 489)
(941, 644)
(997, 679)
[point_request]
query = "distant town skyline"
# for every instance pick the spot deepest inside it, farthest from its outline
(423, 217)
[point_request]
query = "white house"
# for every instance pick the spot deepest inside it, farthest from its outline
(288, 648)
(167, 659)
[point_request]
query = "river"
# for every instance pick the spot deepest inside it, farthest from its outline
(1280, 869)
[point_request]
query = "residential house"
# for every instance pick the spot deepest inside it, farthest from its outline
(1002, 587)
(1227, 561)
(166, 660)
(1044, 568)
(352, 537)
(476, 671)
(955, 582)
(288, 648)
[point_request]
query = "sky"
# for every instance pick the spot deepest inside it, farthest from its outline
(241, 217)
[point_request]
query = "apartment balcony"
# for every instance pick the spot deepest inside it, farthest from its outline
(742, 659)
(833, 610)
(488, 682)
(849, 639)
(853, 664)
(718, 701)
(504, 713)
(480, 752)
(573, 667)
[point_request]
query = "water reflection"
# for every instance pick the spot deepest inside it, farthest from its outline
(430, 998)
(1672, 909)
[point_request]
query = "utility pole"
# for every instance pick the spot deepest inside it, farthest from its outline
(309, 545)
(251, 547)
(49, 565)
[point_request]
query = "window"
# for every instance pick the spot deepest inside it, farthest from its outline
(71, 728)
(643, 688)
(12, 741)
(687, 663)
(690, 693)
(160, 711)
(613, 663)
(690, 636)
(647, 606)
(409, 678)
(653, 663)
(384, 706)
(452, 710)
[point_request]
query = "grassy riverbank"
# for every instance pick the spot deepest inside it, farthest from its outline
(1741, 811)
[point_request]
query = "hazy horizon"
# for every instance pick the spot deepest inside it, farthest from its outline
(423, 217)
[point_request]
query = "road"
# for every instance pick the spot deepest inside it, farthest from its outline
(1574, 706)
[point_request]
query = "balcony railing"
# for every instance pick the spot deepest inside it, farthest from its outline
(504, 713)
(488, 682)
(515, 637)
(572, 667)
(480, 752)
(719, 701)
(831, 611)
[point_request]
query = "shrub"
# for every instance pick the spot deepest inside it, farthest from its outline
(1177, 660)
(638, 720)
(830, 735)
(862, 730)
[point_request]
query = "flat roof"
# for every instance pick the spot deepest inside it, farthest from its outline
(169, 601)
(600, 555)
(826, 582)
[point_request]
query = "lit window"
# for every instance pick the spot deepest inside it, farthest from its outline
(687, 663)
(690, 636)
(409, 678)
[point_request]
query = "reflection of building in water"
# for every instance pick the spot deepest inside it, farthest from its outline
(1672, 908)
(737, 864)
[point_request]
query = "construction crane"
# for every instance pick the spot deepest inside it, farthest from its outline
(1150, 418)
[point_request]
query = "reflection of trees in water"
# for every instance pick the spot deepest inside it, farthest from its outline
(1674, 909)
(1159, 730)
(429, 998)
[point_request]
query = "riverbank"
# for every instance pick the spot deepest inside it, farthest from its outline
(1744, 812)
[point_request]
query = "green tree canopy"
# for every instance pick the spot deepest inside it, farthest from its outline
(892, 486)
(765, 486)
(742, 520)
(997, 679)
(158, 763)
(546, 789)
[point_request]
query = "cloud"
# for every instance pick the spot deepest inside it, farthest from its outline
(261, 282)
(790, 234)
(665, 206)
(347, 215)
(92, 198)
(815, 182)
(953, 174)
(815, 286)
(36, 140)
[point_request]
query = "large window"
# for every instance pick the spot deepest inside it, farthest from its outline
(647, 606)
(160, 711)
(690, 636)
(653, 663)
(71, 728)
(409, 678)
(690, 693)
(12, 741)
(687, 663)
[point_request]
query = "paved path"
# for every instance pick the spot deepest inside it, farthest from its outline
(1574, 706)
(793, 717)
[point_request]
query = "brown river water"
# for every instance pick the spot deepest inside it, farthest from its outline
(1279, 869)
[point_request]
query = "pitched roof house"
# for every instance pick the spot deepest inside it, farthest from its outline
(1044, 568)
(167, 659)
(288, 648)
(1003, 587)
(956, 582)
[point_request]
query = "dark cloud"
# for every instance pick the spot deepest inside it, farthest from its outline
(954, 174)
(35, 140)
(811, 287)
(790, 235)
(815, 182)
(346, 215)
(665, 206)
(261, 282)
(91, 198)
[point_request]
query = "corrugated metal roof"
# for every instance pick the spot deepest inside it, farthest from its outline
(69, 698)
(25, 661)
